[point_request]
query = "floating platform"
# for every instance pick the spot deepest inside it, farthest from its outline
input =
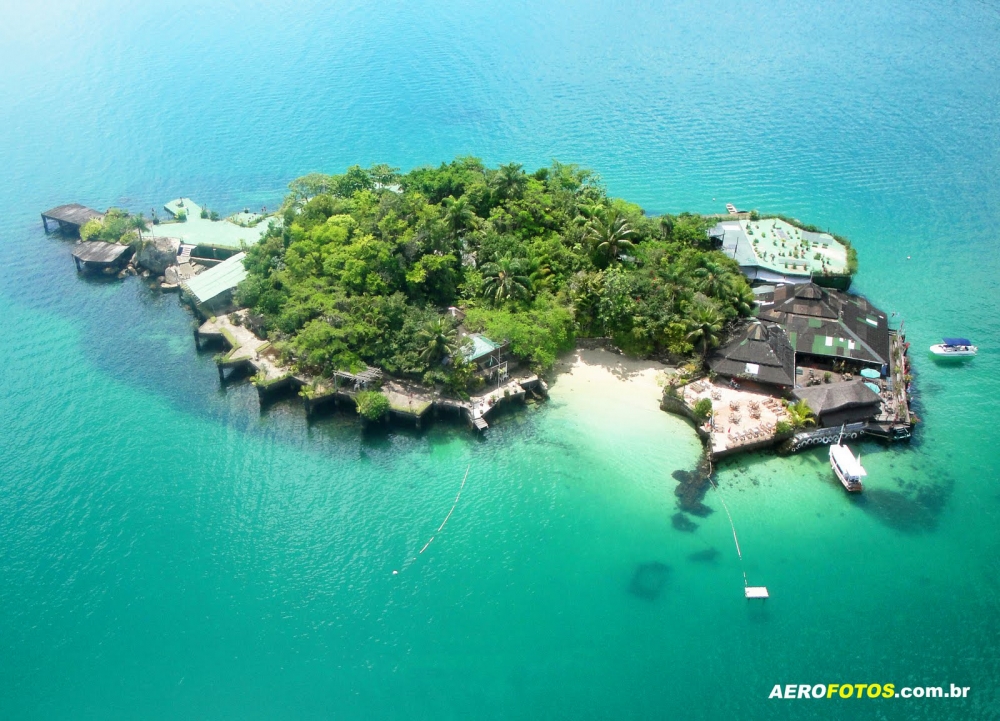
(756, 592)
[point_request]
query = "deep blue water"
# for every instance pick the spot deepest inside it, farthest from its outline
(168, 551)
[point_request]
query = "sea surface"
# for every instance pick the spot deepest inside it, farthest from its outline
(170, 550)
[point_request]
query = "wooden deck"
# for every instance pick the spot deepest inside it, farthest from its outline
(100, 254)
(69, 217)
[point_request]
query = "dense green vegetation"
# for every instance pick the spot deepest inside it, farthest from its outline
(703, 408)
(800, 415)
(372, 405)
(117, 226)
(365, 265)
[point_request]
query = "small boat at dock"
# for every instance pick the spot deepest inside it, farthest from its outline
(954, 348)
(847, 468)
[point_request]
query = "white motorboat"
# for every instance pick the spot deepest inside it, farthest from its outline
(848, 468)
(954, 348)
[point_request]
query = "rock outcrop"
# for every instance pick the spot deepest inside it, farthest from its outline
(157, 254)
(177, 274)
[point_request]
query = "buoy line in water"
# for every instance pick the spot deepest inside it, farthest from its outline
(439, 528)
(736, 540)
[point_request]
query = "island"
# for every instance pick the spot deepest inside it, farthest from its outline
(455, 288)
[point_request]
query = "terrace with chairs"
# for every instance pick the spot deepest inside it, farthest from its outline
(742, 418)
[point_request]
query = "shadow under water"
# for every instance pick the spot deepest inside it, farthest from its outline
(709, 555)
(648, 580)
(692, 487)
(916, 514)
(683, 523)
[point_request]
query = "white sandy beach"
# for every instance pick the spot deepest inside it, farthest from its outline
(602, 376)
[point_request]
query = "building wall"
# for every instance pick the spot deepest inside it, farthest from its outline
(848, 415)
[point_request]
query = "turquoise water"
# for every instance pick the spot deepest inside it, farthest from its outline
(169, 551)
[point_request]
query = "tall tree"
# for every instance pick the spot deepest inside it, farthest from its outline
(611, 234)
(384, 174)
(539, 272)
(138, 224)
(506, 279)
(438, 339)
(713, 279)
(509, 181)
(704, 327)
(459, 215)
(740, 296)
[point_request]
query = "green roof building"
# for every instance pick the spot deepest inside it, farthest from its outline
(211, 292)
(482, 351)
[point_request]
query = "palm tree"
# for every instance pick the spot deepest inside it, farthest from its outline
(587, 211)
(800, 414)
(666, 226)
(741, 297)
(459, 214)
(509, 181)
(384, 174)
(704, 327)
(539, 272)
(438, 339)
(714, 279)
(505, 279)
(610, 233)
(138, 224)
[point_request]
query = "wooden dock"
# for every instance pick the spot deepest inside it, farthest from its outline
(97, 254)
(69, 217)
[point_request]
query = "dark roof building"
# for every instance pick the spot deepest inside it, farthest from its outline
(838, 403)
(761, 352)
(824, 322)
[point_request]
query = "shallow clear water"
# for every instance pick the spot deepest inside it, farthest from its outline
(169, 551)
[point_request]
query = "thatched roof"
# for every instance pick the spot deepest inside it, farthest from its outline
(760, 351)
(830, 397)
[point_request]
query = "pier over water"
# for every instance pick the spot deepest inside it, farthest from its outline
(69, 218)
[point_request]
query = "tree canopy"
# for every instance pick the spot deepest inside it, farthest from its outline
(366, 263)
